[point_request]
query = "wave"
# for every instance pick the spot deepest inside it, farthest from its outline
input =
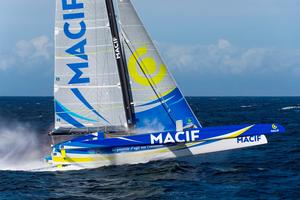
(291, 108)
(247, 106)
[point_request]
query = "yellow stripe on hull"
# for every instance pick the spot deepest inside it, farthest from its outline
(98, 160)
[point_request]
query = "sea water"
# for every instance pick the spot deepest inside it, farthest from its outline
(270, 171)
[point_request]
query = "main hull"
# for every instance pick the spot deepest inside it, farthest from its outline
(76, 159)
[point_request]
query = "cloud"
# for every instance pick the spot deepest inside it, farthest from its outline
(226, 58)
(6, 61)
(27, 53)
(223, 44)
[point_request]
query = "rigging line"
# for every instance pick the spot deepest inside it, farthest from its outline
(165, 106)
(151, 82)
(110, 66)
(122, 68)
(149, 78)
(96, 59)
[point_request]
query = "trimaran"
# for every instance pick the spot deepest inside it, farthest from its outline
(115, 101)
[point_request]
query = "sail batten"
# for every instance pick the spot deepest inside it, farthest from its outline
(91, 81)
(87, 88)
(161, 103)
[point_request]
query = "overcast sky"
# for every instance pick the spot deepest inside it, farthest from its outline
(212, 47)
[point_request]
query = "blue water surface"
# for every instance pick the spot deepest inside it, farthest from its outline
(270, 171)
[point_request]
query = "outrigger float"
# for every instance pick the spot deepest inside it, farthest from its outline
(115, 101)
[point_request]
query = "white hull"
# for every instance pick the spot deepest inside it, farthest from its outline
(136, 155)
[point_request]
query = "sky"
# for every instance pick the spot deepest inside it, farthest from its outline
(212, 47)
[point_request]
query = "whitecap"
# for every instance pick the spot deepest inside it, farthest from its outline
(291, 108)
(247, 106)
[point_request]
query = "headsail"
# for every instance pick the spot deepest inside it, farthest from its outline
(158, 101)
(87, 86)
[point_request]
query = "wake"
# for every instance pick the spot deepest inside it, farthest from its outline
(22, 149)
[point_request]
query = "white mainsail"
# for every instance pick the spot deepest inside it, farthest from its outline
(87, 88)
(157, 99)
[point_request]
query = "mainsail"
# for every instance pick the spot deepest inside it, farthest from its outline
(89, 95)
(158, 101)
(87, 87)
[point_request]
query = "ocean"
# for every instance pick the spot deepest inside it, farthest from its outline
(270, 171)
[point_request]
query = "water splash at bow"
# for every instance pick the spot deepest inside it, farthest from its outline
(21, 148)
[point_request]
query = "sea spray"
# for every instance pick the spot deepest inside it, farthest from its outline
(150, 127)
(21, 148)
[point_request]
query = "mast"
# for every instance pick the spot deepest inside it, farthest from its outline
(122, 68)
